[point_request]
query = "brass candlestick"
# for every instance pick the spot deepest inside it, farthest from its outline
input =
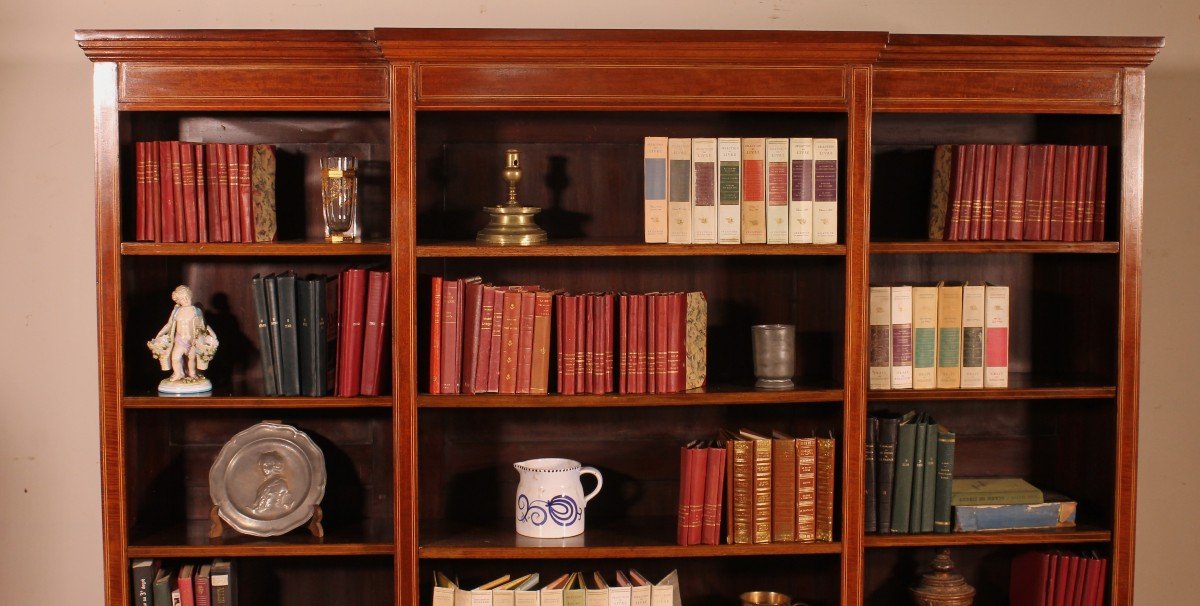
(511, 223)
(943, 586)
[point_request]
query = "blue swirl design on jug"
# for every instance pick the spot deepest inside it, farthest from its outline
(562, 510)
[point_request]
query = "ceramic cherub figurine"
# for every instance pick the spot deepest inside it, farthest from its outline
(184, 346)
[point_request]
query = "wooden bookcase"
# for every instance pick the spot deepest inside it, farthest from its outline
(419, 482)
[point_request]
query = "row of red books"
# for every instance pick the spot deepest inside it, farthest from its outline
(1019, 192)
(203, 192)
(1042, 578)
(497, 339)
(777, 489)
(362, 332)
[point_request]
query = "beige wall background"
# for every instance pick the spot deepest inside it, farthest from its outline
(50, 528)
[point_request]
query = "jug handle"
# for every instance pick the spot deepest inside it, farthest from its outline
(599, 483)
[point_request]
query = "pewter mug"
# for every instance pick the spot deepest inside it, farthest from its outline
(767, 598)
(774, 355)
(550, 499)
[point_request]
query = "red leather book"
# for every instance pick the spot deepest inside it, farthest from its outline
(1001, 193)
(139, 226)
(225, 204)
(525, 342)
(1034, 198)
(567, 384)
(167, 192)
(1070, 193)
(714, 482)
(1086, 214)
(581, 344)
(471, 326)
(1058, 192)
(1101, 566)
(459, 332)
(539, 380)
(435, 336)
(1048, 191)
(451, 293)
(685, 483)
(637, 343)
(201, 191)
(509, 336)
(697, 469)
(245, 193)
(181, 211)
(212, 185)
(1101, 193)
(1051, 580)
(651, 343)
(589, 342)
(1028, 578)
(623, 355)
(483, 336)
(662, 323)
(558, 343)
(958, 190)
(972, 208)
(187, 171)
(493, 365)
(375, 332)
(598, 353)
(350, 343)
(233, 192)
(1064, 579)
(608, 342)
(153, 193)
(981, 218)
(1016, 193)
(1075, 595)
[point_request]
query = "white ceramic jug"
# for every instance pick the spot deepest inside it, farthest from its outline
(550, 499)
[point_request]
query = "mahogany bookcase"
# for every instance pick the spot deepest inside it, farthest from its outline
(421, 482)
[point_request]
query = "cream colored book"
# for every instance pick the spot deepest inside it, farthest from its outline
(754, 186)
(505, 595)
(666, 591)
(777, 191)
(679, 191)
(973, 308)
(596, 592)
(825, 191)
(995, 337)
(655, 169)
(575, 594)
(949, 353)
(925, 306)
(902, 341)
(729, 190)
(704, 191)
(879, 338)
(482, 595)
(552, 594)
(639, 588)
(800, 192)
(443, 590)
(620, 594)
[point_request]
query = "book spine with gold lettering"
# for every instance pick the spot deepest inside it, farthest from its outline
(714, 483)
(762, 491)
(729, 191)
(655, 213)
(826, 454)
(777, 191)
(704, 191)
(754, 204)
(783, 489)
(806, 490)
(679, 191)
(739, 486)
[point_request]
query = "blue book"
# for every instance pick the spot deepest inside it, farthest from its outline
(1051, 514)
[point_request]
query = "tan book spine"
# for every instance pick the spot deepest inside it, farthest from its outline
(783, 490)
(879, 341)
(762, 491)
(539, 379)
(656, 183)
(949, 358)
(777, 191)
(754, 185)
(739, 479)
(806, 490)
(679, 191)
(826, 454)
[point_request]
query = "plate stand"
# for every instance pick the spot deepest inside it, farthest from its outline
(217, 526)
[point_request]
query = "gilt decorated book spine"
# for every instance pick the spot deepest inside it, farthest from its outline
(825, 191)
(679, 191)
(754, 210)
(704, 191)
(777, 191)
(729, 190)
(800, 205)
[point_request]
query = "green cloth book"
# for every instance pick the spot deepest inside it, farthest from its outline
(928, 499)
(994, 491)
(945, 480)
(906, 444)
(918, 482)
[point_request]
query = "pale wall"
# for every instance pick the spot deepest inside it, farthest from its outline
(49, 442)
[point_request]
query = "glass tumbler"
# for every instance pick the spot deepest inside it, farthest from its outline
(339, 197)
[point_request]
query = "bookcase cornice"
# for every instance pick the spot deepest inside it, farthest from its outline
(205, 46)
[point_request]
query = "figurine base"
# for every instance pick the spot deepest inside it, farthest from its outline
(511, 226)
(774, 384)
(185, 387)
(217, 526)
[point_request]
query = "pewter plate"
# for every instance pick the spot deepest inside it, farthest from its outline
(267, 480)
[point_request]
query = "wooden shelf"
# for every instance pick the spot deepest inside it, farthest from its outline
(644, 538)
(1021, 386)
(274, 402)
(1080, 534)
(927, 246)
(191, 541)
(258, 249)
(714, 396)
(602, 248)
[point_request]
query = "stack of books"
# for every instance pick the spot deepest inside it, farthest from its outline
(778, 489)
(982, 504)
(318, 334)
(909, 473)
(947, 336)
(204, 192)
(1041, 578)
(571, 589)
(503, 339)
(752, 190)
(1019, 192)
(212, 584)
